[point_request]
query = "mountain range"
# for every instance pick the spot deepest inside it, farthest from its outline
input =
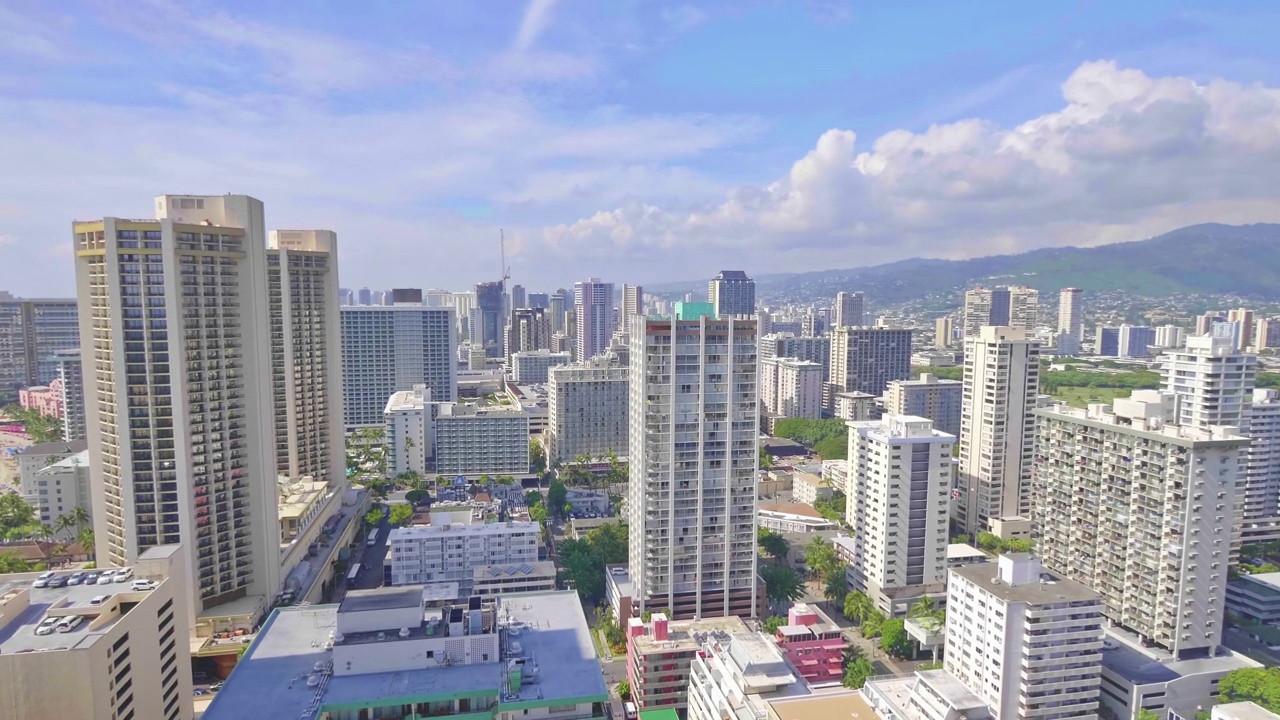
(1210, 258)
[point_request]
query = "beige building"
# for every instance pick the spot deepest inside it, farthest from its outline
(807, 488)
(127, 657)
(791, 388)
(587, 411)
(867, 359)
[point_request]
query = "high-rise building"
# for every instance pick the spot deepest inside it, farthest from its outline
(1243, 316)
(471, 440)
(1015, 307)
(180, 431)
(31, 331)
(534, 366)
(900, 478)
(593, 315)
(1266, 333)
(558, 304)
(530, 329)
(694, 442)
(488, 318)
(849, 310)
(939, 400)
(346, 296)
(632, 303)
(1206, 322)
(1024, 308)
(1108, 341)
(791, 388)
(386, 349)
(71, 385)
(409, 431)
(977, 310)
(306, 353)
(814, 349)
(1026, 642)
(1136, 341)
(732, 293)
(1261, 488)
(1212, 379)
(867, 359)
(364, 296)
(944, 330)
(518, 298)
(1001, 382)
(1071, 312)
(587, 408)
(1170, 336)
(1140, 509)
(539, 300)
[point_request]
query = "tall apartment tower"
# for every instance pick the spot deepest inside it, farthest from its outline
(1212, 379)
(558, 304)
(1139, 508)
(1024, 308)
(849, 310)
(632, 303)
(1243, 316)
(1071, 312)
(732, 294)
(306, 353)
(1026, 642)
(530, 329)
(899, 492)
(791, 388)
(31, 331)
(1135, 341)
(815, 349)
(593, 312)
(694, 446)
(1261, 488)
(488, 318)
(179, 386)
(866, 359)
(939, 400)
(71, 376)
(387, 349)
(518, 297)
(997, 432)
(944, 329)
(587, 411)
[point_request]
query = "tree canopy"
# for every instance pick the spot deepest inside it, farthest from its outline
(584, 560)
(829, 437)
(1260, 685)
(821, 559)
(773, 544)
(772, 623)
(894, 638)
(831, 508)
(40, 428)
(17, 518)
(782, 584)
(400, 513)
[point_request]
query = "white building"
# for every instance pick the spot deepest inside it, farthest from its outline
(1001, 382)
(1135, 341)
(587, 405)
(1212, 379)
(533, 366)
(129, 656)
(306, 353)
(409, 431)
(1027, 643)
(175, 318)
(944, 330)
(1170, 336)
(429, 554)
(593, 312)
(694, 454)
(791, 388)
(1071, 313)
(816, 349)
(1024, 308)
(632, 303)
(806, 488)
(900, 477)
(1260, 519)
(867, 359)
(849, 310)
(72, 387)
(59, 487)
(854, 405)
(939, 400)
(386, 349)
(735, 675)
(472, 440)
(1141, 509)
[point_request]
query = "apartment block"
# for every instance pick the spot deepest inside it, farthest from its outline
(735, 675)
(849, 310)
(472, 440)
(409, 431)
(791, 388)
(812, 644)
(1260, 516)
(31, 332)
(1135, 341)
(632, 303)
(428, 554)
(530, 330)
(1024, 308)
(1027, 642)
(867, 359)
(175, 318)
(306, 353)
(1170, 336)
(898, 500)
(588, 410)
(386, 349)
(928, 396)
(593, 313)
(488, 318)
(534, 366)
(660, 655)
(733, 294)
(997, 431)
(694, 454)
(786, 345)
(1212, 379)
(128, 656)
(1071, 312)
(71, 385)
(58, 483)
(1140, 509)
(944, 330)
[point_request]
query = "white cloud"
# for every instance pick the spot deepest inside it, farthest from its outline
(1127, 156)
(537, 16)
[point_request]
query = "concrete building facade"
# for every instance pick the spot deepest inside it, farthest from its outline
(31, 332)
(387, 349)
(534, 366)
(593, 313)
(429, 554)
(849, 310)
(588, 411)
(471, 440)
(791, 388)
(928, 396)
(866, 359)
(733, 294)
(71, 385)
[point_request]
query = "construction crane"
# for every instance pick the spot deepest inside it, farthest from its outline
(504, 271)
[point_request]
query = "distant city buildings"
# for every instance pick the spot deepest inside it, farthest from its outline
(928, 396)
(733, 294)
(1014, 307)
(849, 310)
(386, 349)
(32, 331)
(867, 359)
(534, 366)
(593, 310)
(791, 388)
(588, 407)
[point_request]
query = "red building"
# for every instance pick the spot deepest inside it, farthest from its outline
(813, 644)
(660, 652)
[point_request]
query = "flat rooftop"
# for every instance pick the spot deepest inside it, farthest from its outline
(961, 551)
(1051, 588)
(19, 635)
(426, 531)
(838, 705)
(386, 598)
(271, 678)
(682, 634)
(1264, 583)
(1124, 655)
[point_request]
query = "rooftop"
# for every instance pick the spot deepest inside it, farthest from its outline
(541, 569)
(688, 634)
(799, 509)
(1244, 711)
(18, 635)
(386, 598)
(838, 705)
(1269, 582)
(55, 448)
(961, 551)
(414, 532)
(1050, 588)
(271, 678)
(1124, 655)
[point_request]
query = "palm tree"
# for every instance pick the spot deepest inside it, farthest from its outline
(925, 608)
(858, 607)
(46, 532)
(86, 540)
(63, 524)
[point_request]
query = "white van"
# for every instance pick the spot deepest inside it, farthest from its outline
(629, 711)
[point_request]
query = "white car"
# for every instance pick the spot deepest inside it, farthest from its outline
(69, 623)
(106, 578)
(46, 625)
(99, 599)
(43, 580)
(122, 574)
(143, 584)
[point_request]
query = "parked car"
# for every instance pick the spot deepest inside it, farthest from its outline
(107, 577)
(77, 577)
(91, 577)
(59, 581)
(123, 574)
(144, 584)
(46, 625)
(43, 580)
(99, 599)
(69, 623)
(216, 686)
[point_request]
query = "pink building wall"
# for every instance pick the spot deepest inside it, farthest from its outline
(45, 400)
(814, 647)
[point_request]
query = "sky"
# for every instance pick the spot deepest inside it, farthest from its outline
(638, 141)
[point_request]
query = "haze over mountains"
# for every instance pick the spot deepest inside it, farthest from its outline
(1208, 258)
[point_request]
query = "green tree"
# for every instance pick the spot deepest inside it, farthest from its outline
(772, 623)
(86, 539)
(537, 458)
(11, 563)
(835, 588)
(374, 516)
(831, 508)
(17, 518)
(609, 542)
(873, 624)
(624, 690)
(400, 513)
(857, 672)
(773, 544)
(925, 607)
(40, 428)
(766, 460)
(858, 607)
(1017, 546)
(821, 559)
(533, 497)
(989, 541)
(894, 638)
(584, 568)
(1145, 714)
(1259, 685)
(538, 513)
(557, 495)
(417, 497)
(782, 584)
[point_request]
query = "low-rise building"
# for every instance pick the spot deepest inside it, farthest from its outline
(854, 406)
(813, 644)
(59, 487)
(126, 656)
(660, 653)
(409, 431)
(793, 518)
(385, 654)
(44, 399)
(471, 440)
(1255, 596)
(587, 501)
(807, 488)
(836, 474)
(506, 579)
(735, 675)
(1242, 710)
(451, 552)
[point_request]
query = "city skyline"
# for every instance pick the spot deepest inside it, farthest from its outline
(604, 139)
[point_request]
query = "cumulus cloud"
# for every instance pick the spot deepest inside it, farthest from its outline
(1128, 155)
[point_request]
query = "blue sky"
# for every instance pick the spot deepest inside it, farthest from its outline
(638, 141)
